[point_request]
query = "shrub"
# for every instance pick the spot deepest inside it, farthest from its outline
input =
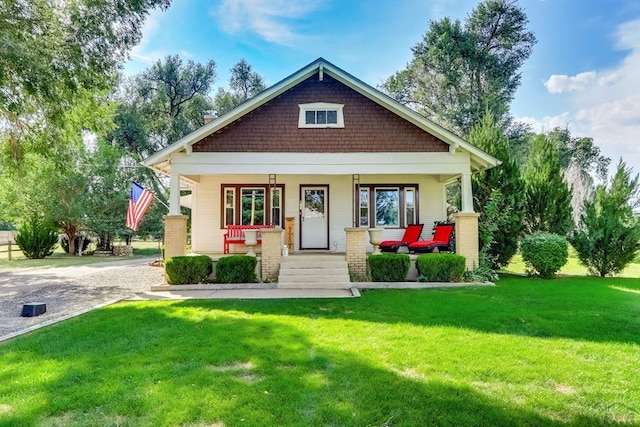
(545, 253)
(182, 270)
(64, 242)
(236, 269)
(36, 239)
(389, 267)
(440, 267)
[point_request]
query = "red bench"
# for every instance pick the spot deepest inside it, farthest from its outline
(235, 234)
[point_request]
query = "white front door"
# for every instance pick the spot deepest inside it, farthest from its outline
(314, 217)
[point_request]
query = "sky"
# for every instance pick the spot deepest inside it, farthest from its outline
(584, 72)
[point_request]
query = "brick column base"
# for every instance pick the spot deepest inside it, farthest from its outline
(357, 252)
(175, 235)
(467, 237)
(271, 253)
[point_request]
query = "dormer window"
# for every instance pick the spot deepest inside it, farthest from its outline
(321, 115)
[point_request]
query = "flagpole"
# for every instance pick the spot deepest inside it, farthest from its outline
(163, 203)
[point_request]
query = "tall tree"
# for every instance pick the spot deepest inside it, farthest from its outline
(548, 198)
(460, 71)
(608, 237)
(56, 59)
(500, 188)
(244, 84)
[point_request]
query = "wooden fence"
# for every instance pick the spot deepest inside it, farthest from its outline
(7, 248)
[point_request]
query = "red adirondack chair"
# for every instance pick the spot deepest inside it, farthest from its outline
(441, 240)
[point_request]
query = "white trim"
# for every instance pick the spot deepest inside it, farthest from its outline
(321, 106)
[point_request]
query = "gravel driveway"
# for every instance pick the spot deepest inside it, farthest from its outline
(69, 290)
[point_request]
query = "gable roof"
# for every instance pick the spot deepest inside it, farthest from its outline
(479, 159)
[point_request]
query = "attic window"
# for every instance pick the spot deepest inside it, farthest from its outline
(321, 115)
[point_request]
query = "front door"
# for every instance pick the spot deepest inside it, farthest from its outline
(314, 217)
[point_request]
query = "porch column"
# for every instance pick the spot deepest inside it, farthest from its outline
(357, 252)
(467, 237)
(271, 253)
(174, 194)
(175, 235)
(467, 193)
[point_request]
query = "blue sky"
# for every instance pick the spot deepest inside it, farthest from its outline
(584, 71)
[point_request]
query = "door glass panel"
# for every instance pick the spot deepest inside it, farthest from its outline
(314, 203)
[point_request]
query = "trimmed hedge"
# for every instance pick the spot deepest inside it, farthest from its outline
(182, 270)
(545, 253)
(440, 267)
(389, 267)
(236, 269)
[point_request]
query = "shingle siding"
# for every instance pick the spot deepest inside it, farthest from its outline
(273, 127)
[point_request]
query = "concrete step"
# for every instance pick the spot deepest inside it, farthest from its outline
(329, 284)
(312, 279)
(314, 271)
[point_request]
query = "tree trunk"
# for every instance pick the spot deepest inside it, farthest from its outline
(71, 230)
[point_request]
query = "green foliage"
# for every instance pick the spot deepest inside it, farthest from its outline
(389, 267)
(183, 270)
(547, 196)
(58, 59)
(244, 84)
(608, 237)
(236, 269)
(460, 71)
(440, 267)
(36, 239)
(497, 195)
(545, 253)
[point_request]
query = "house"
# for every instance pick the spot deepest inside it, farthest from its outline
(324, 156)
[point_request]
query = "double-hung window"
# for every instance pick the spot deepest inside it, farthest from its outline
(388, 206)
(252, 205)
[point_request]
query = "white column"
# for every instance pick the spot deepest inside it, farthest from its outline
(174, 194)
(467, 193)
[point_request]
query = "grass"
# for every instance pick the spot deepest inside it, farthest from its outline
(525, 352)
(62, 259)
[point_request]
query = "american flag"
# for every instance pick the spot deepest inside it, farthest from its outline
(139, 202)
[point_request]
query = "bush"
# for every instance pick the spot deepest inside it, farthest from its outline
(36, 239)
(545, 253)
(64, 242)
(440, 267)
(183, 270)
(236, 269)
(389, 267)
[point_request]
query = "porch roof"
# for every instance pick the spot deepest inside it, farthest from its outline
(478, 159)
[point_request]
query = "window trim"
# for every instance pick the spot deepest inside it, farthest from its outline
(402, 189)
(237, 188)
(321, 106)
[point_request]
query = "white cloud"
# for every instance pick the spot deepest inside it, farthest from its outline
(149, 29)
(607, 102)
(559, 83)
(272, 20)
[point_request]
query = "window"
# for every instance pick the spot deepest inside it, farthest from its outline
(321, 115)
(388, 206)
(364, 207)
(252, 205)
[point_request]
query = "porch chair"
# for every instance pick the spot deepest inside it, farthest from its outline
(440, 240)
(411, 234)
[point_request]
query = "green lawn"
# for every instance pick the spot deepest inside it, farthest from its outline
(62, 259)
(525, 352)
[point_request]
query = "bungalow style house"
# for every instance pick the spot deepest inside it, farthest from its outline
(320, 154)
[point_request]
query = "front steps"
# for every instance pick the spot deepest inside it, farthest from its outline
(311, 271)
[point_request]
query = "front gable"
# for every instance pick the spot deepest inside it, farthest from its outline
(274, 125)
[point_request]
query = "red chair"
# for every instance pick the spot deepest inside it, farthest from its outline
(441, 240)
(411, 234)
